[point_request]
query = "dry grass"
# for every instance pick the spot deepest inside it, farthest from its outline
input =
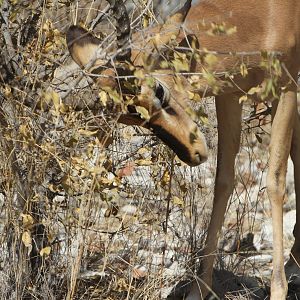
(123, 222)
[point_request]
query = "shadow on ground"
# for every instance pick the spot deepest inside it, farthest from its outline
(226, 285)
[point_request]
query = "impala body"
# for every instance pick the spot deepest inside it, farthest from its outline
(236, 32)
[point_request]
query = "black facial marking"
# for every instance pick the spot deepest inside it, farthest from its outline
(170, 111)
(171, 141)
(131, 109)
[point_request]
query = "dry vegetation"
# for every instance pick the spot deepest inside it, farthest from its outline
(82, 221)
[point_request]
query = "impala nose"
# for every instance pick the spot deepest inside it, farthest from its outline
(200, 158)
(197, 159)
(199, 150)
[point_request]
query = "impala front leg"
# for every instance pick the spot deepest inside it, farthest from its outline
(229, 131)
(292, 268)
(280, 145)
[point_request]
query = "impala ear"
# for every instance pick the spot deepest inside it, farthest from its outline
(183, 11)
(83, 46)
(172, 25)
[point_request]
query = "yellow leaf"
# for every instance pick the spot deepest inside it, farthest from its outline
(145, 21)
(25, 132)
(103, 98)
(27, 220)
(26, 239)
(243, 99)
(210, 59)
(180, 63)
(77, 210)
(56, 100)
(45, 251)
(221, 29)
(143, 162)
(231, 30)
(143, 150)
(204, 120)
(143, 112)
(96, 170)
(194, 96)
(211, 80)
(115, 96)
(87, 132)
(7, 91)
(243, 70)
(127, 134)
(59, 107)
(164, 64)
(166, 178)
(178, 201)
(254, 90)
(150, 81)
(139, 73)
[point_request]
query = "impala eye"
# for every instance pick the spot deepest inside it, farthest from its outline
(161, 94)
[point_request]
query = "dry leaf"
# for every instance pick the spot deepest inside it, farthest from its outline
(243, 70)
(27, 220)
(178, 201)
(143, 162)
(26, 239)
(87, 132)
(143, 112)
(103, 98)
(45, 251)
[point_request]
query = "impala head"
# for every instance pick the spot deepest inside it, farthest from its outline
(169, 119)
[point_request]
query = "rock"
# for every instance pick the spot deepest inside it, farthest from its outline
(175, 270)
(264, 239)
(129, 209)
(92, 275)
(289, 220)
(157, 259)
(144, 243)
(139, 272)
(261, 259)
(229, 242)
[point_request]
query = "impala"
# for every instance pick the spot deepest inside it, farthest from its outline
(259, 37)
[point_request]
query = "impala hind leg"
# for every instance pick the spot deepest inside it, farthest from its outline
(280, 145)
(292, 267)
(229, 131)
